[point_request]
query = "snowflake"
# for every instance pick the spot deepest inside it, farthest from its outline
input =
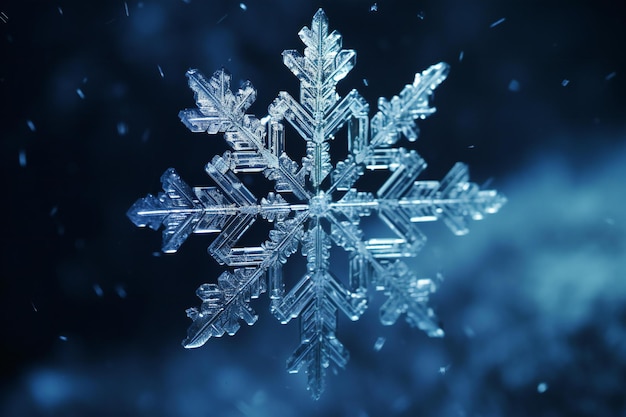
(314, 205)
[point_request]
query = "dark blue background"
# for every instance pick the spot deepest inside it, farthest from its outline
(535, 294)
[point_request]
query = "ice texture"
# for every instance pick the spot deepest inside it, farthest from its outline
(315, 204)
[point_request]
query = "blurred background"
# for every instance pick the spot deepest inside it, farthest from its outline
(533, 300)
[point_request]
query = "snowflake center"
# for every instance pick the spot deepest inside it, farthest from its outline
(319, 204)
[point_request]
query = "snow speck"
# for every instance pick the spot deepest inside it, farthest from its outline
(243, 6)
(53, 211)
(380, 342)
(161, 71)
(565, 82)
(120, 291)
(610, 76)
(542, 387)
(514, 86)
(374, 7)
(4, 17)
(63, 338)
(126, 9)
(444, 369)
(34, 307)
(22, 158)
(60, 10)
(497, 22)
(145, 135)
(156, 254)
(80, 93)
(98, 290)
(461, 56)
(222, 19)
(420, 15)
(122, 128)
(31, 125)
(365, 83)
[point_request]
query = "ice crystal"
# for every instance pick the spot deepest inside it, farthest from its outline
(315, 204)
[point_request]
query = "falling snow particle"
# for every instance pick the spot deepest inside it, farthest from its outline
(461, 56)
(243, 6)
(374, 7)
(145, 135)
(497, 22)
(22, 158)
(98, 290)
(31, 125)
(53, 211)
(610, 221)
(610, 76)
(60, 10)
(420, 15)
(380, 342)
(63, 338)
(471, 146)
(444, 369)
(514, 86)
(122, 128)
(565, 82)
(126, 9)
(156, 254)
(80, 93)
(120, 291)
(4, 17)
(34, 308)
(542, 387)
(222, 19)
(161, 71)
(365, 83)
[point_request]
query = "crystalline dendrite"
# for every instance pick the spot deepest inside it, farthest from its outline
(315, 203)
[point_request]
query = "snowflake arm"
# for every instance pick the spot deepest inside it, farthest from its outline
(393, 118)
(223, 305)
(183, 210)
(398, 115)
(219, 110)
(316, 299)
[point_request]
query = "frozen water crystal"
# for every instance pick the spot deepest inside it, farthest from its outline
(380, 342)
(22, 158)
(497, 22)
(315, 204)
